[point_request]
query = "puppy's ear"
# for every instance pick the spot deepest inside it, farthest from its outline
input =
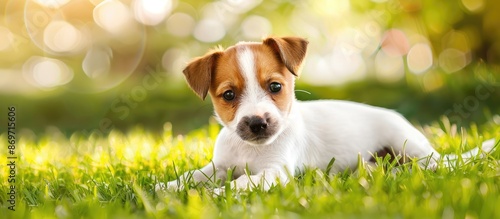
(291, 51)
(199, 73)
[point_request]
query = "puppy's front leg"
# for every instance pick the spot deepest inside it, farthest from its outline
(208, 172)
(265, 179)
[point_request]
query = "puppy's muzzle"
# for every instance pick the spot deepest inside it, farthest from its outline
(256, 129)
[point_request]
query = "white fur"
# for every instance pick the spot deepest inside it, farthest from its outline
(310, 135)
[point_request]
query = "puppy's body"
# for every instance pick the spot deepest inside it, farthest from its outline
(321, 130)
(273, 136)
(317, 132)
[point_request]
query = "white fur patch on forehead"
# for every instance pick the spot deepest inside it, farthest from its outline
(246, 62)
(253, 96)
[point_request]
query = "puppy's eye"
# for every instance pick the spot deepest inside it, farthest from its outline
(275, 87)
(228, 95)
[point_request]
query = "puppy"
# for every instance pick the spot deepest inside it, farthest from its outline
(269, 136)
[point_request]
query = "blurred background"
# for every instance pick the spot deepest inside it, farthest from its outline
(92, 65)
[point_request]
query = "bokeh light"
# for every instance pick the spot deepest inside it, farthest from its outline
(151, 12)
(180, 24)
(328, 7)
(420, 58)
(256, 27)
(238, 6)
(337, 67)
(52, 3)
(37, 18)
(6, 38)
(209, 30)
(97, 62)
(395, 43)
(174, 60)
(388, 68)
(113, 16)
(61, 36)
(103, 42)
(452, 60)
(99, 41)
(46, 72)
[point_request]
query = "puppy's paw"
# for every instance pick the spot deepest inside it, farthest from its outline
(219, 191)
(175, 185)
(170, 186)
(242, 183)
(160, 187)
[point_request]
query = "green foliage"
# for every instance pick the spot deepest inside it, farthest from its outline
(113, 176)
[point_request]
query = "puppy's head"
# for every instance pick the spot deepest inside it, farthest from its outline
(251, 85)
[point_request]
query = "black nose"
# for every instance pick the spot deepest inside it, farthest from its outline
(257, 124)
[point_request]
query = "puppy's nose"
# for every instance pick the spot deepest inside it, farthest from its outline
(257, 124)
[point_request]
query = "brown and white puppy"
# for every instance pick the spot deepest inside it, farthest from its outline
(268, 135)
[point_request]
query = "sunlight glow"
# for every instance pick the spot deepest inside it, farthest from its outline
(332, 7)
(97, 62)
(419, 58)
(388, 68)
(61, 36)
(52, 3)
(39, 159)
(209, 30)
(151, 12)
(46, 72)
(337, 67)
(7, 38)
(49, 73)
(344, 63)
(452, 60)
(113, 16)
(237, 6)
(174, 60)
(256, 27)
(180, 24)
(395, 43)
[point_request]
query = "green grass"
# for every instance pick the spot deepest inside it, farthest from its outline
(113, 177)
